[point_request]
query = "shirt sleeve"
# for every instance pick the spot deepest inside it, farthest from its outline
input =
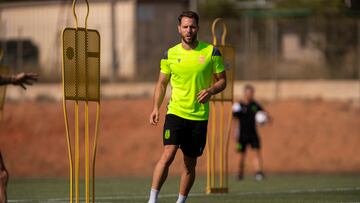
(164, 66)
(236, 110)
(217, 59)
(259, 107)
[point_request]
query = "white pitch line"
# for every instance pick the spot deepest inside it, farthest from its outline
(302, 191)
(133, 197)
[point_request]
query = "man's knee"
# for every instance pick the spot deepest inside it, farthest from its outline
(168, 155)
(190, 164)
(242, 155)
(4, 176)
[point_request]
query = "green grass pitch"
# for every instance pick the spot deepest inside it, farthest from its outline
(277, 189)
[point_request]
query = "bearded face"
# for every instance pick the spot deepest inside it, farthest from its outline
(188, 29)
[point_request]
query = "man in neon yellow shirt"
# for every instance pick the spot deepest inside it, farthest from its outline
(190, 67)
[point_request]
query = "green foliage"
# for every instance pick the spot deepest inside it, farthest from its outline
(318, 7)
(333, 24)
(215, 8)
(229, 8)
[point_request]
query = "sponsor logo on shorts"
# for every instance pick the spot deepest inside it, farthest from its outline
(167, 134)
(239, 146)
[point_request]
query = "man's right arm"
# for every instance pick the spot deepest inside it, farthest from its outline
(5, 80)
(159, 94)
(236, 110)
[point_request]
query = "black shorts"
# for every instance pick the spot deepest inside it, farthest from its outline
(189, 135)
(251, 139)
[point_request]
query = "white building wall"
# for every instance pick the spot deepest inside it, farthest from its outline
(42, 23)
(126, 38)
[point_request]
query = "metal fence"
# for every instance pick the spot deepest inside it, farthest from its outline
(268, 46)
(293, 47)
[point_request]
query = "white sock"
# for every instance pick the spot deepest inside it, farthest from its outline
(181, 199)
(153, 196)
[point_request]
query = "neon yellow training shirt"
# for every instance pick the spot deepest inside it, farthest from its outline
(190, 72)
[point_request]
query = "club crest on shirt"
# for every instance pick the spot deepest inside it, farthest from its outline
(179, 60)
(201, 59)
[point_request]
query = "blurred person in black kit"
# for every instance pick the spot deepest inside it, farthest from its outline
(244, 113)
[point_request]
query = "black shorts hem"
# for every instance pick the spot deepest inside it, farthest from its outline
(244, 141)
(189, 135)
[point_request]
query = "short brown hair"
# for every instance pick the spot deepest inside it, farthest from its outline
(189, 14)
(249, 87)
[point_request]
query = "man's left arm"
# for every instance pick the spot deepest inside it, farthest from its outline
(219, 85)
(20, 79)
(261, 108)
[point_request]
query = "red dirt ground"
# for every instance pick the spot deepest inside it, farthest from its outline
(306, 136)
